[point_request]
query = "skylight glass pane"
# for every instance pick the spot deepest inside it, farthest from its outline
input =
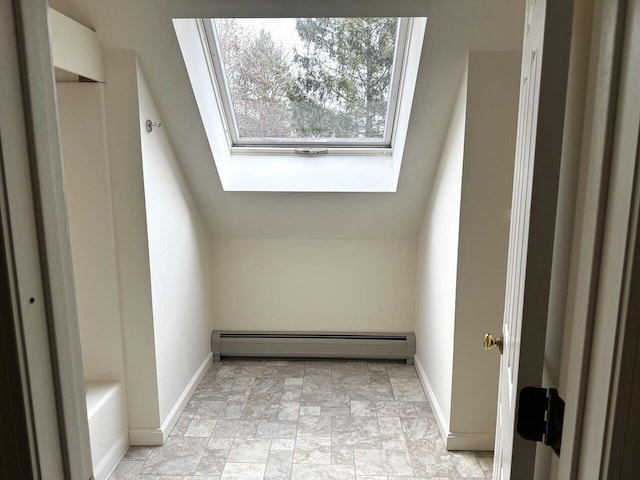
(307, 80)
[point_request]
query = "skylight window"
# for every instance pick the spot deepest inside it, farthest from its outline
(308, 83)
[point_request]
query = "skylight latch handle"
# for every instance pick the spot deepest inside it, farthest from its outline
(311, 151)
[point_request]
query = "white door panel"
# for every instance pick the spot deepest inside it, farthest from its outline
(545, 60)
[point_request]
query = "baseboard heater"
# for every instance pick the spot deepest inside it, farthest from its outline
(389, 346)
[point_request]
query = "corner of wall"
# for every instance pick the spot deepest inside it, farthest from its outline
(437, 252)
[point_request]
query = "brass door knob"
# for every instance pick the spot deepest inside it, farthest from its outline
(490, 341)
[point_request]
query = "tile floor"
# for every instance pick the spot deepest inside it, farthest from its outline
(305, 420)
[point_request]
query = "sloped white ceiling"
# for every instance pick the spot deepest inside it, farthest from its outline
(454, 27)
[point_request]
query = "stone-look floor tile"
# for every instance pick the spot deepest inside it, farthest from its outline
(335, 411)
(423, 409)
(211, 408)
(234, 409)
(293, 404)
(219, 443)
(417, 428)
(316, 384)
(249, 451)
(407, 390)
(377, 367)
(314, 426)
(310, 410)
(350, 373)
(267, 398)
(422, 478)
(485, 459)
(378, 378)
(260, 411)
(396, 409)
(466, 464)
(355, 432)
(425, 453)
(178, 477)
(291, 369)
(363, 408)
(317, 368)
(289, 411)
(279, 464)
(138, 452)
(243, 471)
(341, 455)
(179, 455)
(315, 450)
(240, 397)
(127, 470)
(279, 444)
(276, 429)
(383, 462)
(182, 424)
(322, 472)
(444, 468)
(242, 383)
(293, 381)
(375, 392)
(267, 385)
(391, 433)
(212, 461)
(335, 398)
(228, 370)
(488, 475)
(291, 393)
(200, 427)
(401, 371)
(211, 393)
(235, 428)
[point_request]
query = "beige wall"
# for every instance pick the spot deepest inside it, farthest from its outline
(463, 252)
(313, 285)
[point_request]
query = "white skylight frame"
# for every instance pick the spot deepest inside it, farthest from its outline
(285, 170)
(305, 146)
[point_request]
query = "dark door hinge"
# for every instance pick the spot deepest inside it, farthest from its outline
(540, 416)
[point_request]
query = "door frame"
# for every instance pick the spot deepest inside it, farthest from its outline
(611, 356)
(37, 248)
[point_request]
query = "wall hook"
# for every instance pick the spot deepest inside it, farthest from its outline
(151, 125)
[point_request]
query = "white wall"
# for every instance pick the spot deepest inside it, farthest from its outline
(313, 285)
(487, 178)
(163, 258)
(88, 193)
(437, 268)
(125, 164)
(179, 261)
(463, 249)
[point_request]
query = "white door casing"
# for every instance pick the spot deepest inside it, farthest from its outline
(545, 63)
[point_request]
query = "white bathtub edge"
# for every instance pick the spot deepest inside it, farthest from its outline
(157, 436)
(110, 461)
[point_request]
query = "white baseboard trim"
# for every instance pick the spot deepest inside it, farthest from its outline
(103, 470)
(146, 436)
(157, 436)
(452, 440)
(443, 424)
(470, 441)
